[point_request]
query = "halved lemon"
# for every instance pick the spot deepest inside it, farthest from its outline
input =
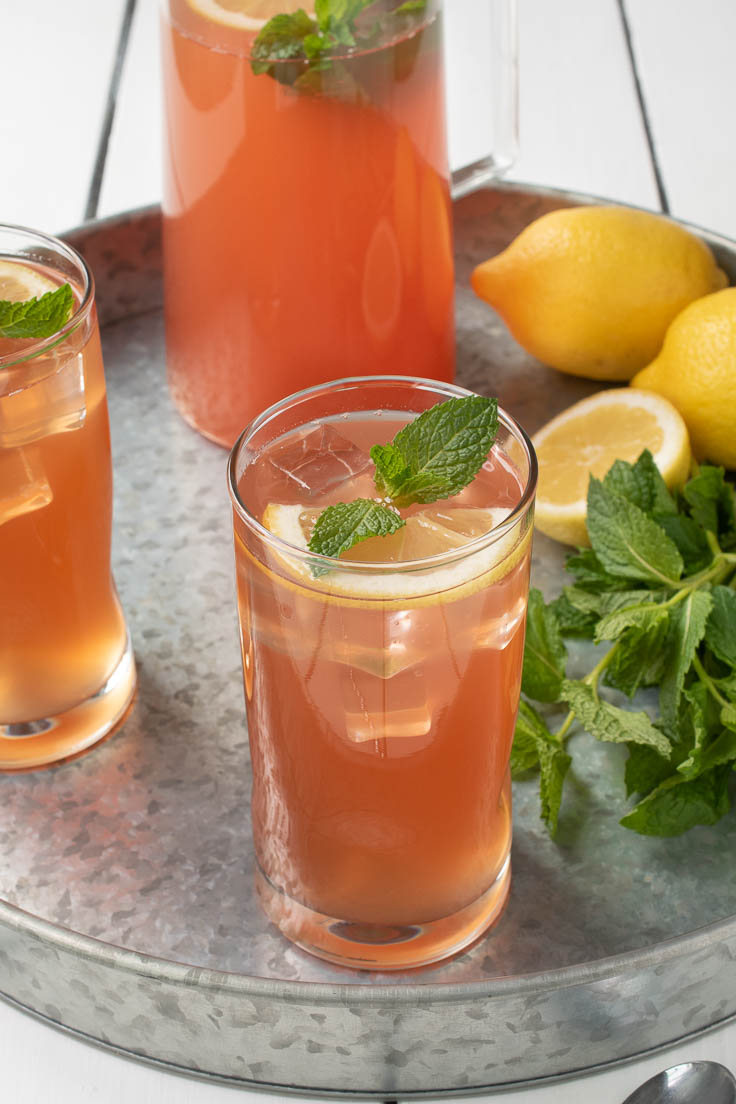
(245, 15)
(432, 532)
(587, 438)
(19, 282)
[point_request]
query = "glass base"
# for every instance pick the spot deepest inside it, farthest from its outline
(51, 739)
(383, 946)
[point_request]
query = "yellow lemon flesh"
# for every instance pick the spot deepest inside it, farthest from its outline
(696, 371)
(587, 438)
(432, 532)
(244, 15)
(19, 282)
(592, 290)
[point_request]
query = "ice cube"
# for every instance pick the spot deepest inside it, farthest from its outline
(395, 650)
(23, 483)
(389, 719)
(497, 632)
(56, 403)
(318, 461)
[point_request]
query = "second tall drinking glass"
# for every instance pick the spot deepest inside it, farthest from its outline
(307, 219)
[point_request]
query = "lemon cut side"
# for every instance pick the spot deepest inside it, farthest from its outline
(243, 15)
(19, 282)
(587, 438)
(430, 533)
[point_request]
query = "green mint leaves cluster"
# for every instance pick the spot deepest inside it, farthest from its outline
(333, 29)
(36, 318)
(657, 593)
(432, 457)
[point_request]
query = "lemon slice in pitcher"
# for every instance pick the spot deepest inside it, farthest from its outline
(244, 15)
(435, 531)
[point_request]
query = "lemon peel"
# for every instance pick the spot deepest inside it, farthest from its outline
(243, 15)
(592, 290)
(19, 282)
(470, 564)
(696, 371)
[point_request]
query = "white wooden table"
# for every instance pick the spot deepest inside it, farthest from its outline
(627, 99)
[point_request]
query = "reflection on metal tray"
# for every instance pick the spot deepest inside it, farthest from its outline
(128, 915)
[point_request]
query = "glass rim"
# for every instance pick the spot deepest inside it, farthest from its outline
(59, 247)
(332, 563)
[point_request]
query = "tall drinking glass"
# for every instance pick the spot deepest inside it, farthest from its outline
(381, 691)
(307, 220)
(67, 671)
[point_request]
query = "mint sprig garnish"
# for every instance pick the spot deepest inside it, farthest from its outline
(36, 318)
(659, 587)
(437, 454)
(314, 40)
(432, 457)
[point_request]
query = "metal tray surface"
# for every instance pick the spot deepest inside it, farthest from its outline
(126, 907)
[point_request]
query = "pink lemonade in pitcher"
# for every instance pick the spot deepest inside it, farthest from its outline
(381, 702)
(307, 225)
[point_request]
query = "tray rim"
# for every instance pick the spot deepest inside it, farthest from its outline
(318, 992)
(109, 954)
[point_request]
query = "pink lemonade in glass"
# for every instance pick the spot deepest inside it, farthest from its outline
(381, 696)
(307, 227)
(66, 667)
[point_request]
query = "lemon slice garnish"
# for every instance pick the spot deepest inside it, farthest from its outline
(19, 282)
(432, 532)
(587, 438)
(243, 15)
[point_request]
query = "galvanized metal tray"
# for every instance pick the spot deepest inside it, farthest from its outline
(128, 915)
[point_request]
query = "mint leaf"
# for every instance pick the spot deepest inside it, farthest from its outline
(721, 750)
(639, 659)
(316, 44)
(690, 539)
(623, 599)
(391, 467)
(646, 616)
(442, 451)
(645, 769)
(341, 526)
(282, 38)
(571, 619)
(626, 541)
(554, 764)
(530, 731)
(37, 317)
(677, 805)
(720, 629)
(535, 746)
(544, 652)
(591, 574)
(607, 722)
(711, 500)
(642, 484)
(687, 628)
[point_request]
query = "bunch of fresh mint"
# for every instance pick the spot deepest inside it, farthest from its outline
(657, 591)
(430, 458)
(314, 40)
(36, 318)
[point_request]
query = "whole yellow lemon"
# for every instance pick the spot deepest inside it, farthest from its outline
(592, 290)
(696, 371)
